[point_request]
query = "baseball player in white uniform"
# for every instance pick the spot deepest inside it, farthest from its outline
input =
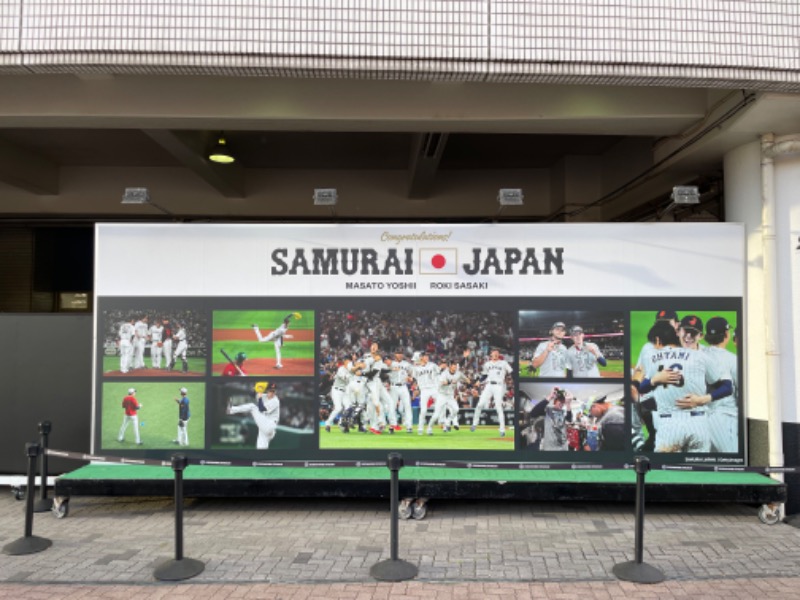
(339, 394)
(550, 357)
(449, 379)
(167, 338)
(690, 331)
(265, 411)
(680, 377)
(156, 344)
(398, 388)
(181, 345)
(277, 337)
(426, 373)
(494, 373)
(126, 333)
(583, 357)
(723, 414)
(646, 402)
(357, 391)
(139, 342)
(377, 377)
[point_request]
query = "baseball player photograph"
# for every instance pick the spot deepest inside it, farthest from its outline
(265, 412)
(131, 408)
(723, 414)
(572, 417)
(153, 424)
(420, 379)
(571, 344)
(584, 358)
(687, 383)
(255, 415)
(184, 413)
(148, 343)
(125, 344)
(277, 343)
(235, 366)
(680, 379)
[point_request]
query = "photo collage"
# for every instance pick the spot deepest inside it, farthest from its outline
(511, 384)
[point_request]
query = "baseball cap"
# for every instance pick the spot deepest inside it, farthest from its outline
(692, 322)
(717, 325)
(576, 329)
(131, 391)
(184, 391)
(558, 324)
(666, 315)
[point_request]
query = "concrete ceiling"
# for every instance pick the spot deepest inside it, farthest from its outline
(69, 146)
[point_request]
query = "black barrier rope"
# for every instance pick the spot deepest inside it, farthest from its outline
(449, 464)
(179, 568)
(29, 544)
(394, 569)
(43, 504)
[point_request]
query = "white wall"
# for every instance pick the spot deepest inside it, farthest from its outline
(743, 205)
(787, 184)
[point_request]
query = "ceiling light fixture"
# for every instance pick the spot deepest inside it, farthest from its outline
(220, 153)
(141, 195)
(510, 197)
(685, 194)
(136, 196)
(325, 197)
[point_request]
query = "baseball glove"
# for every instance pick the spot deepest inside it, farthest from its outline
(297, 315)
(160, 344)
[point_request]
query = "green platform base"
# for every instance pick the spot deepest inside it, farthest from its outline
(416, 482)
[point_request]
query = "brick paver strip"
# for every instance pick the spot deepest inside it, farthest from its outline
(323, 548)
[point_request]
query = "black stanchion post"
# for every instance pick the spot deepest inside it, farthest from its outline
(394, 569)
(29, 544)
(637, 570)
(43, 504)
(179, 568)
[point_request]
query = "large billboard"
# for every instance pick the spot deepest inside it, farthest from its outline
(468, 342)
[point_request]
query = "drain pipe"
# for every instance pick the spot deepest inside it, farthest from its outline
(769, 150)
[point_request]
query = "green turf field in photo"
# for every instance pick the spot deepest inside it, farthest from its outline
(642, 321)
(267, 320)
(196, 365)
(256, 349)
(233, 332)
(158, 418)
(483, 438)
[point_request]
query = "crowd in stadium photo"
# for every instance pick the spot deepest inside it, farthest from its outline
(387, 372)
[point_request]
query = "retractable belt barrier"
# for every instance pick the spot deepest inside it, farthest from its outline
(393, 569)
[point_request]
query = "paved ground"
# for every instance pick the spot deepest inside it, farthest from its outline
(292, 549)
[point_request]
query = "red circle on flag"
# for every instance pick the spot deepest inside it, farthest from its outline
(438, 261)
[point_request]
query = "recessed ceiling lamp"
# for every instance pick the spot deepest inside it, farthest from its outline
(220, 153)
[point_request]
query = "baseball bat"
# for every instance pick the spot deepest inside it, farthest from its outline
(230, 360)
